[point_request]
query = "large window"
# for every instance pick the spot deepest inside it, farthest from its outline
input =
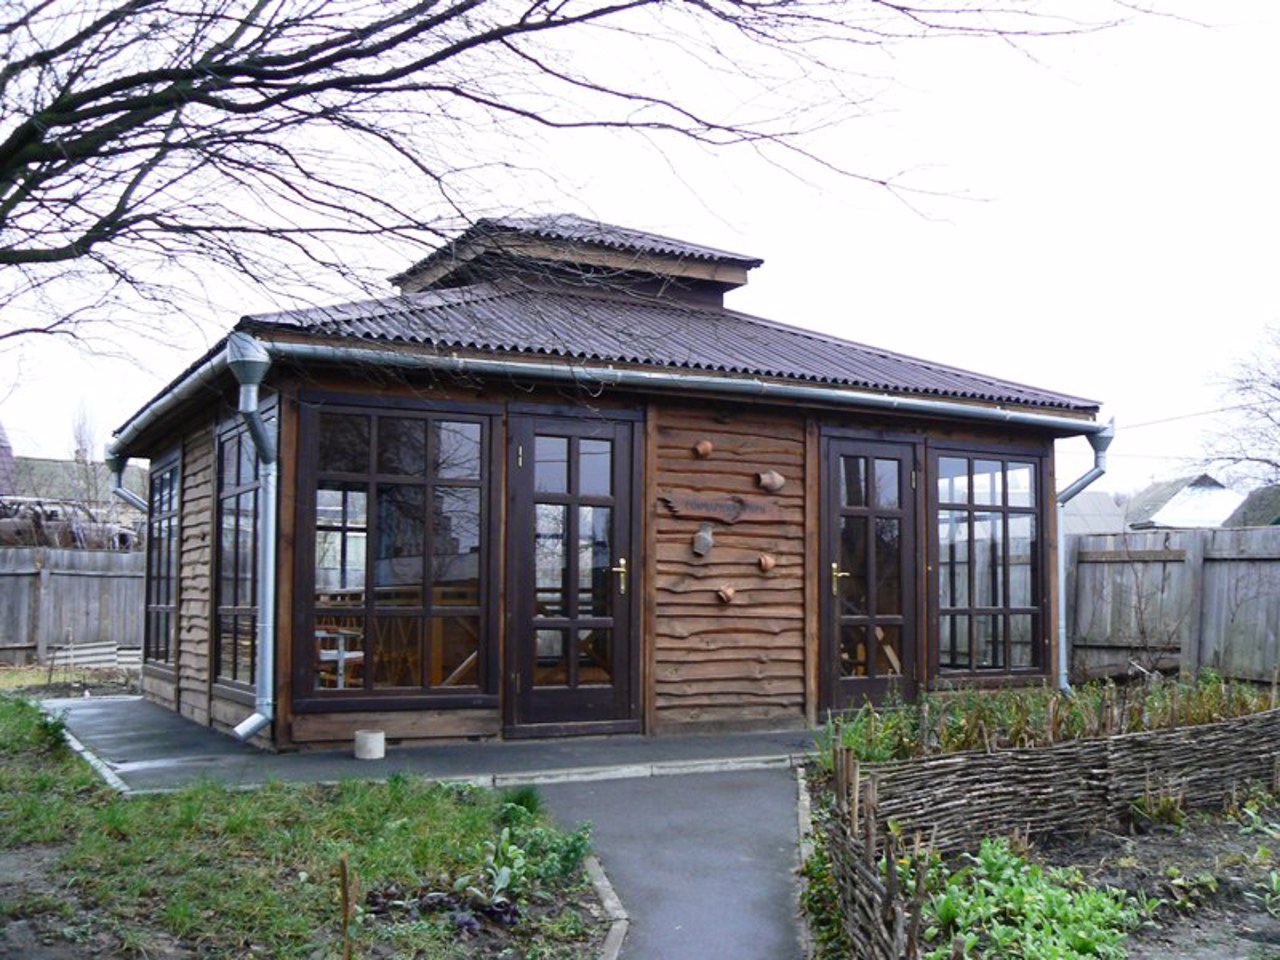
(162, 562)
(400, 518)
(235, 628)
(990, 591)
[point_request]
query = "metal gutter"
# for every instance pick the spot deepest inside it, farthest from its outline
(675, 380)
(1100, 441)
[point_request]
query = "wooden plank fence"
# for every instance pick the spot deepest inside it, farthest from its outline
(1176, 598)
(62, 600)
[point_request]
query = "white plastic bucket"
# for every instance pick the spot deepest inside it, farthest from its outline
(371, 744)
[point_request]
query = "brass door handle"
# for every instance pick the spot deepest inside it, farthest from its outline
(621, 571)
(836, 574)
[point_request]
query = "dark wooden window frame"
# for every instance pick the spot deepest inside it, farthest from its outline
(306, 699)
(242, 679)
(1038, 457)
(164, 568)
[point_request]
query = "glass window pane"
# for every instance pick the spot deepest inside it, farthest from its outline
(990, 642)
(1022, 485)
(595, 558)
(402, 446)
(1022, 645)
(988, 482)
(1022, 556)
(595, 656)
(339, 661)
(455, 651)
(248, 470)
(340, 544)
(852, 589)
(953, 558)
(853, 651)
(229, 463)
(953, 480)
(227, 557)
(455, 560)
(550, 560)
(551, 464)
(888, 484)
(399, 539)
(953, 642)
(226, 646)
(888, 650)
(595, 467)
(888, 566)
(344, 443)
(988, 559)
(397, 652)
(457, 450)
(246, 554)
(551, 668)
(853, 481)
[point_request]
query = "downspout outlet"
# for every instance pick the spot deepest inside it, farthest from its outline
(116, 464)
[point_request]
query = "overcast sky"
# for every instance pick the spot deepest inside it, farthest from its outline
(1107, 227)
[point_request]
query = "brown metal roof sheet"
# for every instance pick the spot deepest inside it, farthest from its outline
(514, 319)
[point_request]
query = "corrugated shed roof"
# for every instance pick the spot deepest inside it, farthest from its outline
(571, 229)
(1261, 508)
(518, 319)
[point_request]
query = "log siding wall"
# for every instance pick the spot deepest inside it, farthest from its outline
(742, 661)
(195, 575)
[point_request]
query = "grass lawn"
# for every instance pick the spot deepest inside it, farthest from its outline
(436, 871)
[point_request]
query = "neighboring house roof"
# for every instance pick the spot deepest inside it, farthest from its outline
(8, 481)
(568, 228)
(609, 327)
(1092, 511)
(1198, 501)
(1261, 508)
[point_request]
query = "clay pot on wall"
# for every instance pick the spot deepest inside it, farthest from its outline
(771, 480)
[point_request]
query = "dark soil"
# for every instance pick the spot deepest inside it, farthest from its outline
(1204, 871)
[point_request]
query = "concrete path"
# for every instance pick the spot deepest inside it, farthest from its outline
(697, 834)
(704, 864)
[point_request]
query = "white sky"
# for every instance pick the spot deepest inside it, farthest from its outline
(1110, 231)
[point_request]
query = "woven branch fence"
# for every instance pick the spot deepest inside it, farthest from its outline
(949, 803)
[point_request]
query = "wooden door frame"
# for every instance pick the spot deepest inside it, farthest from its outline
(522, 422)
(916, 566)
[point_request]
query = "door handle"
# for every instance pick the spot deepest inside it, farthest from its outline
(621, 571)
(836, 574)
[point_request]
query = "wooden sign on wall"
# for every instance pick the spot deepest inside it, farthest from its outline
(726, 509)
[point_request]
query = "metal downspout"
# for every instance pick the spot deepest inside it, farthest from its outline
(249, 362)
(1099, 441)
(116, 464)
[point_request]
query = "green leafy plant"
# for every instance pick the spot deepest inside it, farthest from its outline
(1267, 893)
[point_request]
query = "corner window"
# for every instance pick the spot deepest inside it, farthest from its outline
(988, 544)
(163, 504)
(399, 516)
(235, 625)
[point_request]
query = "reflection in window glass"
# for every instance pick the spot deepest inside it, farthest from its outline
(402, 446)
(988, 482)
(990, 644)
(551, 464)
(852, 589)
(888, 644)
(550, 560)
(953, 558)
(1022, 485)
(595, 464)
(887, 484)
(339, 663)
(853, 651)
(953, 642)
(853, 481)
(456, 558)
(455, 651)
(397, 567)
(1022, 645)
(397, 652)
(595, 593)
(888, 566)
(595, 656)
(988, 559)
(341, 517)
(551, 668)
(344, 443)
(457, 450)
(953, 480)
(1023, 547)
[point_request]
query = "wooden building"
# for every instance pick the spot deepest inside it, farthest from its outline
(556, 487)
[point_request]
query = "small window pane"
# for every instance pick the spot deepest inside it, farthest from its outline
(853, 481)
(953, 642)
(1022, 485)
(888, 644)
(229, 462)
(246, 552)
(595, 464)
(339, 652)
(888, 484)
(248, 461)
(595, 656)
(595, 560)
(1022, 645)
(988, 483)
(550, 560)
(953, 480)
(397, 652)
(551, 464)
(988, 559)
(402, 446)
(1022, 556)
(888, 566)
(990, 642)
(851, 578)
(455, 651)
(457, 450)
(397, 567)
(551, 668)
(455, 562)
(853, 651)
(953, 558)
(344, 443)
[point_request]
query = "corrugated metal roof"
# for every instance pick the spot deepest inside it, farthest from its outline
(568, 228)
(522, 320)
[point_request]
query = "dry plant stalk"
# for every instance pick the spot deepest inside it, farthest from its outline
(350, 891)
